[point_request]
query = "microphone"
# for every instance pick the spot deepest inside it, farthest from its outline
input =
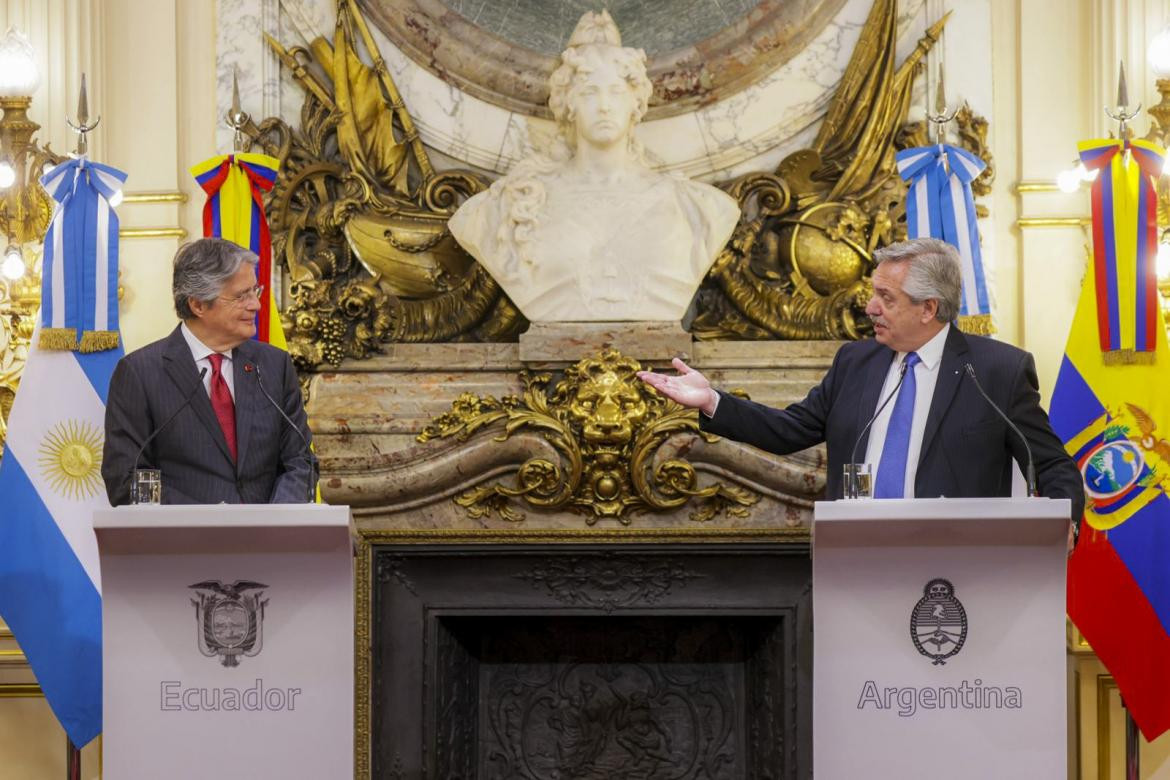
(1030, 471)
(310, 456)
(157, 431)
(894, 392)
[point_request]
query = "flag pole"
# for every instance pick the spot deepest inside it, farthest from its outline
(1132, 753)
(72, 761)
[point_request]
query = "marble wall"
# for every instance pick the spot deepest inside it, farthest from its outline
(749, 131)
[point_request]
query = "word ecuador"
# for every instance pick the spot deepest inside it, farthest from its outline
(173, 697)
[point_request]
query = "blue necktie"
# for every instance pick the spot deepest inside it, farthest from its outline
(891, 476)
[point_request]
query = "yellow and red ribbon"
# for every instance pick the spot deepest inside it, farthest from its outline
(1125, 243)
(235, 185)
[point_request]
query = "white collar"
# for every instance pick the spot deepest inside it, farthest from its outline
(199, 350)
(930, 353)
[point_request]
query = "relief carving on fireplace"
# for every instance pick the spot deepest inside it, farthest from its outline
(607, 428)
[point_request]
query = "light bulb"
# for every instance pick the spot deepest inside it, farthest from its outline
(116, 199)
(1069, 181)
(7, 175)
(1162, 261)
(18, 66)
(1158, 55)
(13, 265)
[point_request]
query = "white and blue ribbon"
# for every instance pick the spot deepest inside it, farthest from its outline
(940, 205)
(79, 299)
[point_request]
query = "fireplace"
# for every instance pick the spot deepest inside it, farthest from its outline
(616, 662)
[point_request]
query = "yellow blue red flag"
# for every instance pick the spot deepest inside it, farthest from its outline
(235, 185)
(1114, 418)
(1125, 241)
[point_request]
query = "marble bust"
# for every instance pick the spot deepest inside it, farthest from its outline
(584, 230)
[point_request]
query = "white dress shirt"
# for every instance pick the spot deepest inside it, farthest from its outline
(200, 351)
(925, 377)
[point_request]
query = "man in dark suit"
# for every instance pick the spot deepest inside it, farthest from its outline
(202, 388)
(937, 436)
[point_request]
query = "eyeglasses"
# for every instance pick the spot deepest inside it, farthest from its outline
(252, 293)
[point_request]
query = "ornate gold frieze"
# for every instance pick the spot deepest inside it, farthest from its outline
(800, 261)
(359, 215)
(19, 301)
(606, 428)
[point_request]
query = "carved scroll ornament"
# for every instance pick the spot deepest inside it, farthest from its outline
(607, 428)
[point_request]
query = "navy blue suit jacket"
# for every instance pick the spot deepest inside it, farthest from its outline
(967, 449)
(151, 383)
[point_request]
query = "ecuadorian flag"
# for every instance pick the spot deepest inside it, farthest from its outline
(235, 185)
(1113, 417)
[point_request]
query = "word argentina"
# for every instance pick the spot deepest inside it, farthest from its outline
(910, 699)
(173, 697)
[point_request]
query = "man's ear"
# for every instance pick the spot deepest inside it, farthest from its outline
(197, 307)
(929, 310)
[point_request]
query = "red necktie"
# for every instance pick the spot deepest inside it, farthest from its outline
(221, 403)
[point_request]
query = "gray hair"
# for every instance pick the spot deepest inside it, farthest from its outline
(201, 269)
(933, 270)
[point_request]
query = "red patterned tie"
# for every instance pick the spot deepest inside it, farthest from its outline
(221, 403)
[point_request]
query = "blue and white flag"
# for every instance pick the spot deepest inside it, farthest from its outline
(940, 205)
(80, 269)
(50, 475)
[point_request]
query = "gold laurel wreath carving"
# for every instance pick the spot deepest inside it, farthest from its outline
(606, 427)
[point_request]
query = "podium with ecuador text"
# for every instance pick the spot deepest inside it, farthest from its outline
(939, 636)
(227, 641)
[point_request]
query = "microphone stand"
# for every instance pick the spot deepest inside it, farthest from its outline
(310, 456)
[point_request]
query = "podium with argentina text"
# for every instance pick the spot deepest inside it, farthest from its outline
(939, 638)
(227, 641)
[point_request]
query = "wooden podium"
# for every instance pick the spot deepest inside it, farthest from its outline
(227, 641)
(939, 638)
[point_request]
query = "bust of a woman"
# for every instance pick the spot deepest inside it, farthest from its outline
(586, 231)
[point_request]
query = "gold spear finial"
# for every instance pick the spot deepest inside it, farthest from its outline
(237, 118)
(1122, 92)
(1121, 113)
(82, 104)
(940, 116)
(83, 125)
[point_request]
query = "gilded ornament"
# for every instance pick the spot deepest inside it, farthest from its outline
(359, 215)
(607, 428)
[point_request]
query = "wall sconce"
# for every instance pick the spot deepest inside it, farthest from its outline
(25, 208)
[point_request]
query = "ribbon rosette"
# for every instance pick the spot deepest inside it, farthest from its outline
(940, 205)
(79, 293)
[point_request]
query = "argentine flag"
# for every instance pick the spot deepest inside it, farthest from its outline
(50, 480)
(50, 475)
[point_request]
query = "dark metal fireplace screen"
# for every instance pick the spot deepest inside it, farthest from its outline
(619, 664)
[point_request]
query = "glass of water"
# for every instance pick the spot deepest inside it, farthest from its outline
(147, 486)
(858, 480)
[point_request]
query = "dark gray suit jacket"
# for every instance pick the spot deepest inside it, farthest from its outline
(152, 383)
(967, 449)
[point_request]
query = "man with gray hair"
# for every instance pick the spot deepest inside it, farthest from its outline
(214, 400)
(936, 436)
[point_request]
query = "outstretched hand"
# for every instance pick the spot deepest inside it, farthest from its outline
(689, 388)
